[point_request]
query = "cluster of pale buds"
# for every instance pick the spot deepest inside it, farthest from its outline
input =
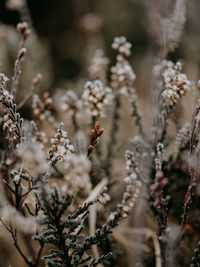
(122, 74)
(176, 83)
(96, 97)
(60, 146)
(122, 45)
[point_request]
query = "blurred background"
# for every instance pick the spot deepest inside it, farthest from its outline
(65, 36)
(69, 31)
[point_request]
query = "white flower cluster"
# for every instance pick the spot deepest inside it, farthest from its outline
(96, 97)
(183, 136)
(99, 66)
(122, 76)
(176, 83)
(60, 146)
(77, 168)
(70, 103)
(33, 158)
(122, 46)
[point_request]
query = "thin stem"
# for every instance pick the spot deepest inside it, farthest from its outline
(113, 136)
(15, 243)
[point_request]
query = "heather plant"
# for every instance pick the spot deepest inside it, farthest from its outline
(60, 192)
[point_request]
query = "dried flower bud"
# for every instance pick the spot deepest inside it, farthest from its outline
(24, 30)
(100, 132)
(22, 27)
(90, 149)
(94, 142)
(92, 134)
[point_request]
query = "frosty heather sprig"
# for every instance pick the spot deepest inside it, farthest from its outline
(60, 146)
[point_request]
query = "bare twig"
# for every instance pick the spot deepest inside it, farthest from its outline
(15, 242)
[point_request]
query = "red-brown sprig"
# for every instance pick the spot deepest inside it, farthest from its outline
(94, 136)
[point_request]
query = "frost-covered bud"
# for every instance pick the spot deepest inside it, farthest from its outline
(23, 29)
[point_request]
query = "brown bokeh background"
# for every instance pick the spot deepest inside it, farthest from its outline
(67, 33)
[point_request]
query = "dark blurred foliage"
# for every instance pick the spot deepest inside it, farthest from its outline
(69, 25)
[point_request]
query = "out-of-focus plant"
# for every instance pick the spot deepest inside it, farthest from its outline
(56, 186)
